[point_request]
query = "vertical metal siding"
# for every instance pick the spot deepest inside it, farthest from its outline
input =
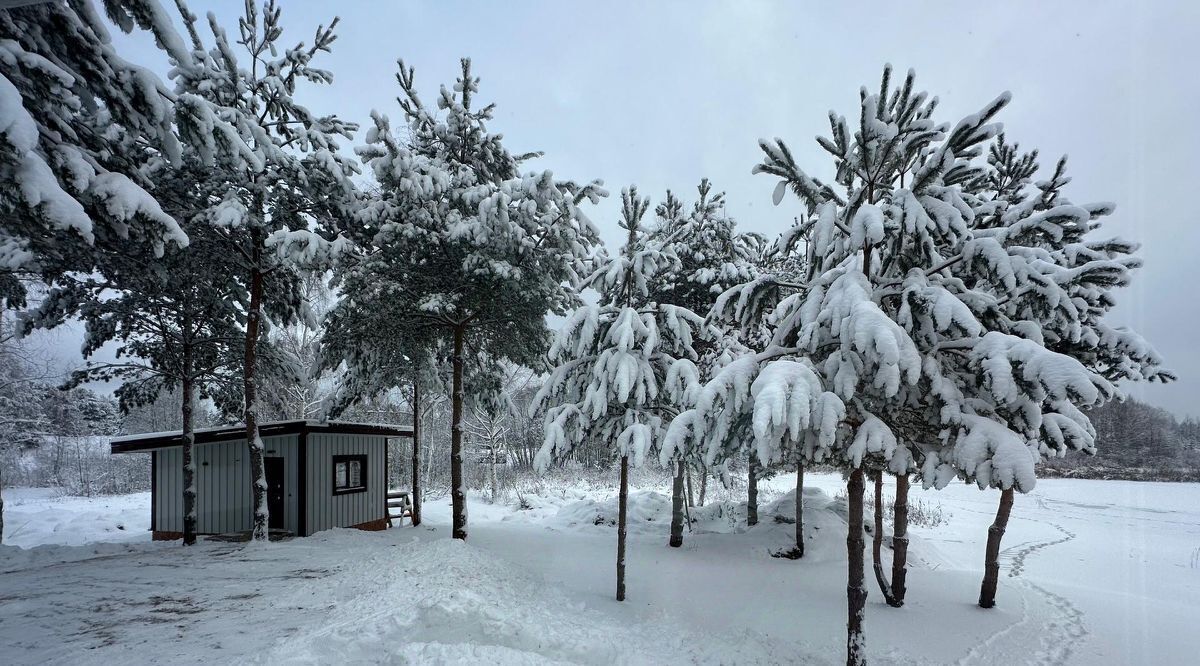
(169, 501)
(224, 501)
(326, 510)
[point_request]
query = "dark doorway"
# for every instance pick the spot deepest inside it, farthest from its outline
(274, 471)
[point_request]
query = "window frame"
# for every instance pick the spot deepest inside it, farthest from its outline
(361, 459)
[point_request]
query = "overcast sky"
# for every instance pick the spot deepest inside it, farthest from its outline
(661, 94)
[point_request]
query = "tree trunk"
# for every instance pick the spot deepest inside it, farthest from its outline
(494, 480)
(623, 503)
(189, 443)
(416, 455)
(877, 543)
(1, 506)
(458, 494)
(752, 491)
(991, 560)
(900, 540)
(690, 501)
(703, 485)
(799, 509)
(856, 591)
(677, 507)
(258, 479)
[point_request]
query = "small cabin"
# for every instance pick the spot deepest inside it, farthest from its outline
(319, 476)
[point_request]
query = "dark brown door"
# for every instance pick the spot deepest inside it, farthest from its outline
(274, 470)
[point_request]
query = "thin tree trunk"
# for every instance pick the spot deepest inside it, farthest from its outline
(877, 543)
(799, 508)
(1, 507)
(676, 539)
(752, 491)
(856, 591)
(900, 540)
(189, 441)
(458, 494)
(495, 481)
(623, 503)
(690, 502)
(258, 479)
(703, 485)
(991, 560)
(416, 455)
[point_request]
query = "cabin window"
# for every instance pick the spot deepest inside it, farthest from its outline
(349, 474)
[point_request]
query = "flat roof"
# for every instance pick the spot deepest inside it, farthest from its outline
(163, 440)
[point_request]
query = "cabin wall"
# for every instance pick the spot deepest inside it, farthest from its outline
(326, 510)
(224, 501)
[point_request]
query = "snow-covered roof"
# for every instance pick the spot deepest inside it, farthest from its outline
(166, 439)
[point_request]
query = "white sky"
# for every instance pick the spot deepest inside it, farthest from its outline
(662, 94)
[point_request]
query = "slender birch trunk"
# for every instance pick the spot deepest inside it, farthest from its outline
(991, 560)
(458, 494)
(690, 501)
(900, 540)
(494, 480)
(676, 539)
(703, 485)
(856, 591)
(622, 512)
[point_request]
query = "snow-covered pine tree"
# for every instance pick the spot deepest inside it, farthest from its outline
(461, 247)
(917, 340)
(623, 367)
(175, 327)
(81, 131)
(83, 134)
(1011, 208)
(713, 257)
(286, 195)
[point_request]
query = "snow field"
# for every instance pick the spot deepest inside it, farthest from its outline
(1094, 572)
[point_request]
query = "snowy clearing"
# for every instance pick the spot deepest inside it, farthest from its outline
(1094, 572)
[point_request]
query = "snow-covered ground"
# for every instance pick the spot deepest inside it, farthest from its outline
(1095, 572)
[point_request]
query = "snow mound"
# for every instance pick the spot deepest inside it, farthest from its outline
(649, 512)
(37, 516)
(456, 603)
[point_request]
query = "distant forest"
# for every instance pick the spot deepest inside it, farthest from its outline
(1135, 440)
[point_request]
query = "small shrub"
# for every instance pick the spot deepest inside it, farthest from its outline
(921, 513)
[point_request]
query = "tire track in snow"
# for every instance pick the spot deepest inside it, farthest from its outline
(1056, 626)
